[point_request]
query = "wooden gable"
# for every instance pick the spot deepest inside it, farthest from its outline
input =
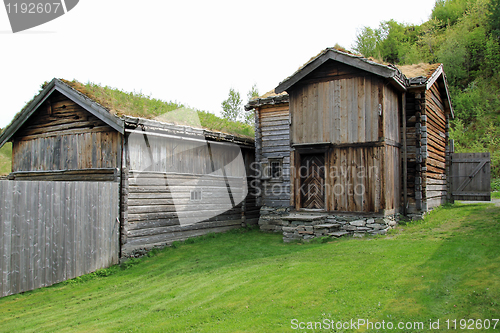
(333, 70)
(61, 135)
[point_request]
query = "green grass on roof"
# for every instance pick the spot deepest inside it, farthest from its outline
(136, 104)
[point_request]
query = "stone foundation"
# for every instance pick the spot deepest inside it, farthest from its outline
(304, 226)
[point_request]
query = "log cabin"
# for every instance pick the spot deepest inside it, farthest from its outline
(345, 135)
(175, 181)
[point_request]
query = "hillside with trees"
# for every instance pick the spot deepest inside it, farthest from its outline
(464, 35)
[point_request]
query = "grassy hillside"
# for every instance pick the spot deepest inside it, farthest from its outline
(139, 105)
(5, 159)
(445, 267)
(464, 35)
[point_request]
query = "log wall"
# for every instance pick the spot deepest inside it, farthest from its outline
(176, 189)
(427, 126)
(273, 142)
(435, 189)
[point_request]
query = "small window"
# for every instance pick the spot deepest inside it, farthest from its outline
(275, 168)
(195, 195)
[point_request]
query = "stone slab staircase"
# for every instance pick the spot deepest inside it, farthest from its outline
(304, 226)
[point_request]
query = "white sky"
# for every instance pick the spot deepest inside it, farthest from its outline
(186, 51)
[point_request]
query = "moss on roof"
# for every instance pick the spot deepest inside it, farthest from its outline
(135, 104)
(416, 70)
(272, 94)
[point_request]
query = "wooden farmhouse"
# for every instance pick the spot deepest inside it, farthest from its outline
(174, 181)
(345, 135)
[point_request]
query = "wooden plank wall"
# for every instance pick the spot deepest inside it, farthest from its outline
(363, 179)
(55, 231)
(427, 139)
(434, 120)
(359, 114)
(157, 193)
(61, 135)
(340, 111)
(354, 179)
(391, 118)
(275, 132)
(392, 179)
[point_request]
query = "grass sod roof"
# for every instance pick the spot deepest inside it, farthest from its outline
(358, 60)
(419, 70)
(121, 103)
(133, 104)
(422, 72)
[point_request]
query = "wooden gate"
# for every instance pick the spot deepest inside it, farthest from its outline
(470, 176)
(312, 181)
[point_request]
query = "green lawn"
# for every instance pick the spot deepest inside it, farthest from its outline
(445, 267)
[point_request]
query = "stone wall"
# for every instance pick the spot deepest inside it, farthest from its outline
(305, 226)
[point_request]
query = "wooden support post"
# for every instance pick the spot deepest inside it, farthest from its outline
(405, 158)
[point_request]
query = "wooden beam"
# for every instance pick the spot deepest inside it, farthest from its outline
(102, 174)
(405, 156)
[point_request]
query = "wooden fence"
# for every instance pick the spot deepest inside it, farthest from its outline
(55, 231)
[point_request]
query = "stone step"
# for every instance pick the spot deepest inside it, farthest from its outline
(304, 217)
(338, 233)
(327, 226)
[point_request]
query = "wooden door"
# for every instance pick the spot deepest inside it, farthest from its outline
(470, 176)
(312, 181)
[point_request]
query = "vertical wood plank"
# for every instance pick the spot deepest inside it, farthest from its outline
(353, 112)
(343, 114)
(361, 104)
(6, 189)
(23, 244)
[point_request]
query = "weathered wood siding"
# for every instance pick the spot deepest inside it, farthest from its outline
(355, 179)
(360, 179)
(392, 179)
(274, 143)
(344, 111)
(160, 178)
(391, 116)
(55, 231)
(435, 189)
(427, 126)
(61, 135)
(358, 115)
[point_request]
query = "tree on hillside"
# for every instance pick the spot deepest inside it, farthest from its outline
(448, 12)
(231, 107)
(252, 93)
(392, 42)
(494, 17)
(366, 42)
